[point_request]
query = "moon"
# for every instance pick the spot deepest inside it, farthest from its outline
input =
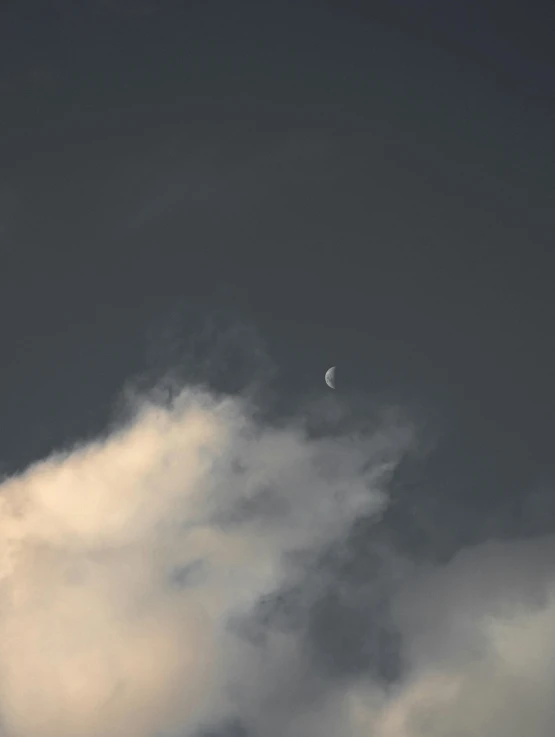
(330, 377)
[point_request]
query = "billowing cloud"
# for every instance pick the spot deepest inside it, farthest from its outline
(174, 578)
(127, 566)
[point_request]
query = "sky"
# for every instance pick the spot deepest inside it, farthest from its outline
(204, 206)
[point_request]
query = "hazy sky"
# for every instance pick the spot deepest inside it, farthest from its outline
(203, 206)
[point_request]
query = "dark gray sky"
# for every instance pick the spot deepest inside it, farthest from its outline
(238, 190)
(368, 186)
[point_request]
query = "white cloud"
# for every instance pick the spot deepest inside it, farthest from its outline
(95, 638)
(98, 636)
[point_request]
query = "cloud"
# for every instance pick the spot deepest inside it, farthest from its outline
(479, 634)
(188, 574)
(128, 565)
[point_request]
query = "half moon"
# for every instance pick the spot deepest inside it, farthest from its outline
(330, 377)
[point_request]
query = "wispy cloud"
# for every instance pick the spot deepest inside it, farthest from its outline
(480, 640)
